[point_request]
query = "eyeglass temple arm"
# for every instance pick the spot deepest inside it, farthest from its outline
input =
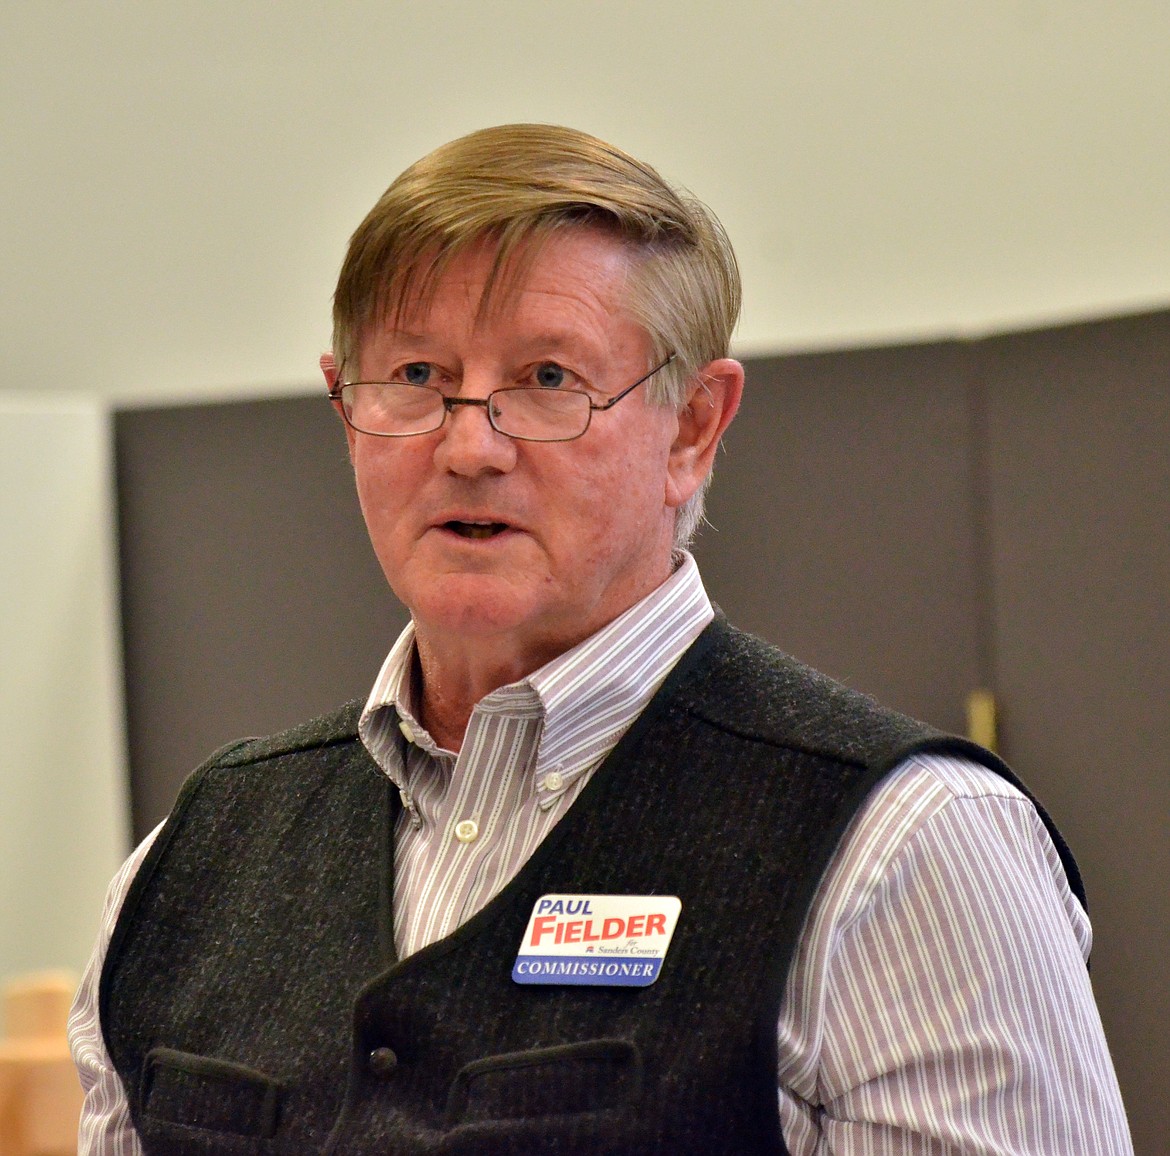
(335, 389)
(630, 388)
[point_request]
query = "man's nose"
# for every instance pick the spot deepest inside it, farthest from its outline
(470, 445)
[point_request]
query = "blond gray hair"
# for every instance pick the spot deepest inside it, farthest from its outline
(516, 185)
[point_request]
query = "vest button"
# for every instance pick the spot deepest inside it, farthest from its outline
(382, 1062)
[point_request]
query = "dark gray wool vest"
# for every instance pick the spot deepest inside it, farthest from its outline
(252, 1001)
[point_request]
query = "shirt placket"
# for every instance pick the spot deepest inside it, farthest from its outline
(486, 790)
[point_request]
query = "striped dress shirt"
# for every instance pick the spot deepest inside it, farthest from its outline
(938, 1001)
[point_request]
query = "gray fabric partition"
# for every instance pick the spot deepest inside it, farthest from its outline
(842, 522)
(251, 597)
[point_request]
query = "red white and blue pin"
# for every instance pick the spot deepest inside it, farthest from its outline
(597, 940)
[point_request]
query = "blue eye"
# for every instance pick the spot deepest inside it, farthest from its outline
(550, 374)
(416, 373)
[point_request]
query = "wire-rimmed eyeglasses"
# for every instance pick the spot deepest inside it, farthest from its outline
(397, 409)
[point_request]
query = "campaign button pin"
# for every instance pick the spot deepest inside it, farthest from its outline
(597, 940)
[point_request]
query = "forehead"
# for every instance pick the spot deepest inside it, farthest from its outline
(577, 274)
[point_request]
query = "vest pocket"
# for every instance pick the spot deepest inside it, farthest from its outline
(572, 1078)
(217, 1095)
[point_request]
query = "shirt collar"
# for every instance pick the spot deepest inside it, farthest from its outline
(597, 687)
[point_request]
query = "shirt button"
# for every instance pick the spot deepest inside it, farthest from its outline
(554, 781)
(382, 1062)
(407, 732)
(467, 831)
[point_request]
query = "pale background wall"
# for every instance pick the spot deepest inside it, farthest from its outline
(180, 179)
(63, 810)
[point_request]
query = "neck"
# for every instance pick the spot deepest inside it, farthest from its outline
(452, 680)
(458, 667)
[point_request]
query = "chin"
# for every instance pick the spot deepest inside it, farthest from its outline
(471, 604)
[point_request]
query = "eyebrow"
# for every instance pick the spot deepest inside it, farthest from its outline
(555, 340)
(406, 335)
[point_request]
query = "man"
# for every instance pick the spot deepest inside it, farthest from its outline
(591, 871)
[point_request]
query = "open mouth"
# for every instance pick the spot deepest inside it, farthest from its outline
(476, 529)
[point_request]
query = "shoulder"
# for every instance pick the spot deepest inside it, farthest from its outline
(747, 687)
(913, 796)
(312, 746)
(936, 815)
(238, 792)
(338, 726)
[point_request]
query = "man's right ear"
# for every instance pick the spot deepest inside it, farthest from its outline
(329, 369)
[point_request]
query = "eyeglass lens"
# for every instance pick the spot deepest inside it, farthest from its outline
(398, 410)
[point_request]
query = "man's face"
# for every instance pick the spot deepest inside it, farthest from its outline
(529, 546)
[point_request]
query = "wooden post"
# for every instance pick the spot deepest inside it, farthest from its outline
(40, 1097)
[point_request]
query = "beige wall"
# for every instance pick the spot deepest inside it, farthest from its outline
(63, 812)
(181, 177)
